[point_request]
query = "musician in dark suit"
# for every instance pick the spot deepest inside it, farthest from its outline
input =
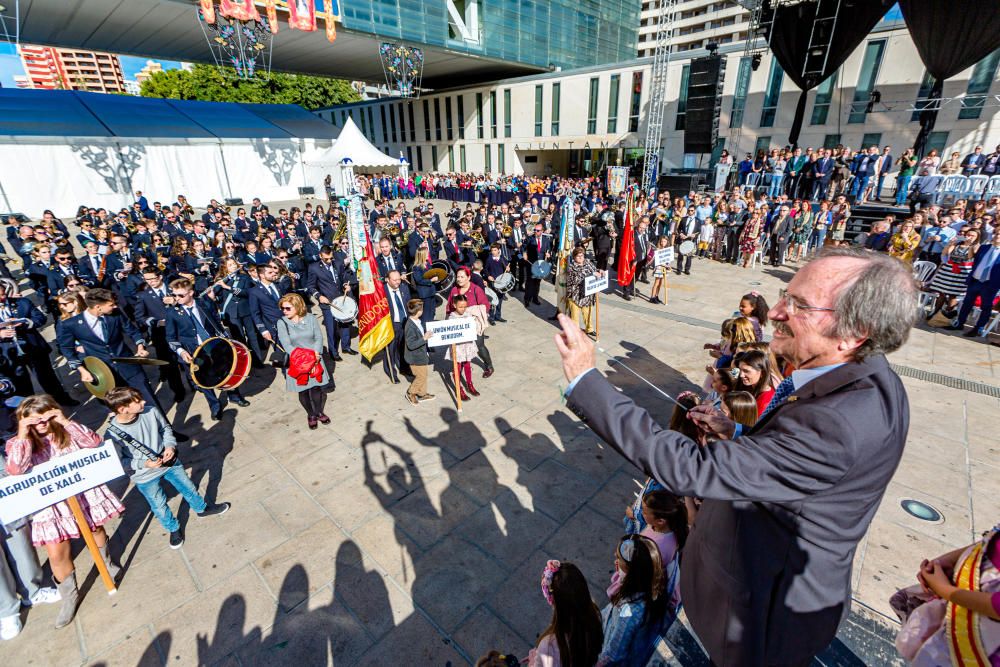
(420, 237)
(767, 569)
(189, 324)
(398, 294)
(388, 259)
(426, 288)
(601, 233)
(101, 333)
(515, 253)
(983, 282)
(496, 265)
(151, 303)
(688, 229)
(325, 281)
(119, 261)
(454, 253)
(536, 247)
(264, 296)
(62, 268)
(23, 349)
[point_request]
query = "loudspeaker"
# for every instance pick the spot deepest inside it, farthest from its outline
(679, 184)
(308, 190)
(234, 201)
(704, 103)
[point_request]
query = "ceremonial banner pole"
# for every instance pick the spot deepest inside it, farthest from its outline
(88, 537)
(597, 315)
(458, 385)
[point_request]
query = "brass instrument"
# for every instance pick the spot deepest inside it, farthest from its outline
(341, 228)
(477, 241)
(507, 231)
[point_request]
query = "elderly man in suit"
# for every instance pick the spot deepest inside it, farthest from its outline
(781, 234)
(325, 281)
(822, 172)
(767, 568)
(983, 282)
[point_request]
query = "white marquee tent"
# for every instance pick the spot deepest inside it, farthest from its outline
(351, 145)
(63, 149)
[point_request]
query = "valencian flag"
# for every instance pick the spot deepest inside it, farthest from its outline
(302, 15)
(626, 257)
(374, 318)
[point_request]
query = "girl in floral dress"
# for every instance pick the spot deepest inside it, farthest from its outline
(43, 433)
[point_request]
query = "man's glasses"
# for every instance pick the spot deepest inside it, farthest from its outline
(793, 304)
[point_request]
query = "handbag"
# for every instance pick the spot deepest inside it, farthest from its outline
(279, 358)
(141, 448)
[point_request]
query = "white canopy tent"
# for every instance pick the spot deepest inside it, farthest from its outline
(350, 145)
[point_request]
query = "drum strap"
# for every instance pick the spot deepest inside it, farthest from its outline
(135, 444)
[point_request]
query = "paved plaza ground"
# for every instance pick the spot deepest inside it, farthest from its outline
(402, 535)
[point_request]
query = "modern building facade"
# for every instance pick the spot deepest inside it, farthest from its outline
(696, 23)
(50, 68)
(579, 121)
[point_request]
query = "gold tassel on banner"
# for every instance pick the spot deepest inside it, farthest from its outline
(272, 16)
(208, 11)
(331, 27)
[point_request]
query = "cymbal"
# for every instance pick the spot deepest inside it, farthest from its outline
(104, 379)
(431, 274)
(140, 361)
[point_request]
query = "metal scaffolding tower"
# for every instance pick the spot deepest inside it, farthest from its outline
(658, 92)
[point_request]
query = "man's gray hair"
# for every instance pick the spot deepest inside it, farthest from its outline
(879, 304)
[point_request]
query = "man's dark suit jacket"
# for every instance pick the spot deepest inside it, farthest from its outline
(383, 265)
(180, 330)
(415, 348)
(994, 278)
(75, 332)
(766, 575)
(264, 310)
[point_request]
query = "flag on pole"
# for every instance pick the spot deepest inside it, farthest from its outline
(567, 241)
(626, 258)
(374, 318)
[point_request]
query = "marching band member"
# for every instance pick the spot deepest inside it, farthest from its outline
(536, 247)
(397, 293)
(388, 259)
(264, 297)
(426, 288)
(496, 266)
(188, 325)
(151, 312)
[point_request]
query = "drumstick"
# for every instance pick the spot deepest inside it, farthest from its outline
(623, 365)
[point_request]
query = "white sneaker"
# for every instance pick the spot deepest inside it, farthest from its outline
(10, 627)
(46, 596)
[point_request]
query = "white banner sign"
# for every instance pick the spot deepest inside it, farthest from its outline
(595, 284)
(58, 479)
(663, 257)
(450, 332)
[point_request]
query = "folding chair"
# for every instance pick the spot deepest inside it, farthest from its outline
(975, 187)
(992, 188)
(952, 186)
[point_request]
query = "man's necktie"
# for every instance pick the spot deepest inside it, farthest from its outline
(274, 292)
(392, 264)
(102, 326)
(199, 328)
(783, 391)
(399, 305)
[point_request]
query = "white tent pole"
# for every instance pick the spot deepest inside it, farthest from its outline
(225, 171)
(6, 201)
(302, 167)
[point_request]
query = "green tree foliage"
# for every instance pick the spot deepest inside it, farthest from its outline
(209, 83)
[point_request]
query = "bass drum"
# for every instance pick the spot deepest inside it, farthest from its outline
(220, 363)
(445, 284)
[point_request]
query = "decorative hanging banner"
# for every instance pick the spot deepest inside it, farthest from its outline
(617, 180)
(207, 11)
(567, 242)
(374, 319)
(272, 15)
(302, 15)
(626, 258)
(356, 229)
(240, 10)
(331, 27)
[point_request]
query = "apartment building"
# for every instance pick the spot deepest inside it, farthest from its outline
(52, 68)
(696, 23)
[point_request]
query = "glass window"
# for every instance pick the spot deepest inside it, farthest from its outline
(831, 141)
(451, 158)
(420, 158)
(500, 158)
(613, 103)
(427, 120)
(763, 144)
(371, 123)
(871, 139)
(592, 106)
(937, 141)
(479, 114)
(772, 95)
(364, 125)
(979, 85)
(926, 84)
(461, 157)
(821, 105)
(633, 114)
(556, 88)
(409, 155)
(682, 98)
(538, 111)
(461, 118)
(493, 112)
(743, 75)
(434, 158)
(385, 126)
(866, 80)
(437, 118)
(413, 125)
(402, 122)
(447, 115)
(486, 158)
(506, 112)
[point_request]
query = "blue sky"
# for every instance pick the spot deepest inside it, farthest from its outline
(10, 65)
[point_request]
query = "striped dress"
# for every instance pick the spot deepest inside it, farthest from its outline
(951, 276)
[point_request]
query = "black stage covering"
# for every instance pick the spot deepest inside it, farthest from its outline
(950, 35)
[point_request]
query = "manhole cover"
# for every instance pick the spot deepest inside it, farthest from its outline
(754, 282)
(920, 510)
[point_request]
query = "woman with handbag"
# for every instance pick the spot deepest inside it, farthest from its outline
(300, 335)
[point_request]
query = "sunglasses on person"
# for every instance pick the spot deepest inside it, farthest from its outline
(287, 308)
(179, 294)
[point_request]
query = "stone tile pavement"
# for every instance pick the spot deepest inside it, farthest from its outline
(417, 535)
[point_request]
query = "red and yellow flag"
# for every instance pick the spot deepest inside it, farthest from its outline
(626, 258)
(374, 318)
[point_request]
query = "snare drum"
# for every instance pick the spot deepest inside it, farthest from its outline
(344, 309)
(492, 296)
(686, 248)
(504, 283)
(220, 363)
